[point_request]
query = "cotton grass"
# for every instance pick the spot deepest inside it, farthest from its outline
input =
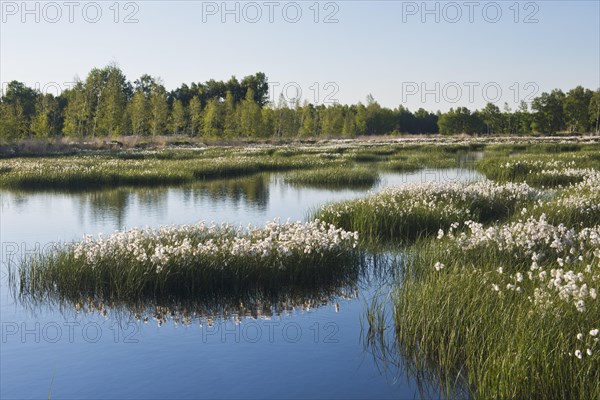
(195, 259)
(507, 306)
(417, 210)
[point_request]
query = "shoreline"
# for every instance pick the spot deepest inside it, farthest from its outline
(69, 146)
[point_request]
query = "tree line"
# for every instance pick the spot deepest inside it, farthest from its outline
(577, 111)
(106, 104)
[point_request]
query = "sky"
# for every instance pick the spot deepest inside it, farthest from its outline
(434, 55)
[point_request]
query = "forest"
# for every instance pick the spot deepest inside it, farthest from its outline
(107, 104)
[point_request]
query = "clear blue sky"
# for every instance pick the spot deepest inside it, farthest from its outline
(379, 47)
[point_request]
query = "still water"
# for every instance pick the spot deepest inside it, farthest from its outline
(306, 345)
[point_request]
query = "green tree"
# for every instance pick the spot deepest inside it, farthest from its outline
(258, 84)
(140, 114)
(45, 121)
(425, 122)
(145, 84)
(250, 115)
(492, 118)
(112, 102)
(360, 120)
(283, 118)
(576, 109)
(231, 115)
(349, 128)
(331, 119)
(267, 118)
(213, 118)
(11, 122)
(19, 106)
(93, 85)
(17, 93)
(178, 118)
(234, 89)
(549, 115)
(405, 120)
(159, 110)
(378, 120)
(75, 114)
(508, 123)
(196, 117)
(372, 116)
(522, 119)
(309, 122)
(106, 104)
(461, 120)
(594, 112)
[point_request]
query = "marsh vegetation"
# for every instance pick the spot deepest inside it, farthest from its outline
(498, 278)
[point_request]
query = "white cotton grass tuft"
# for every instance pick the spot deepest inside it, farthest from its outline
(165, 245)
(204, 257)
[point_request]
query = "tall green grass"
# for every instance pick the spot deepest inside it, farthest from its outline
(337, 177)
(541, 165)
(193, 260)
(101, 171)
(413, 211)
(575, 205)
(176, 166)
(475, 308)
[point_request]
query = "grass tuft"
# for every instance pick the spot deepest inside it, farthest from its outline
(413, 211)
(193, 260)
(338, 177)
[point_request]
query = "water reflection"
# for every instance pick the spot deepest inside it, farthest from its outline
(374, 270)
(115, 204)
(109, 204)
(334, 369)
(396, 364)
(398, 361)
(253, 199)
(206, 311)
(252, 191)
